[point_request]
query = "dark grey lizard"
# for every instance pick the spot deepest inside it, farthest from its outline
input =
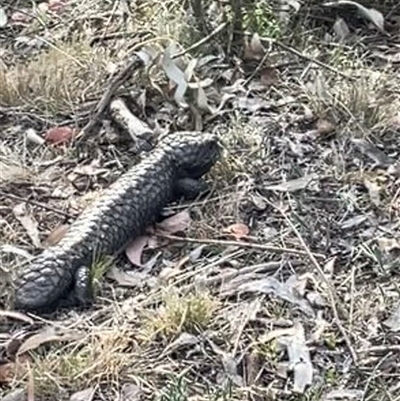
(125, 210)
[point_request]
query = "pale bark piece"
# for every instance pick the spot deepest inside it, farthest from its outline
(137, 129)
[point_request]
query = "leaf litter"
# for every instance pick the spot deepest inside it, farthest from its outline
(288, 122)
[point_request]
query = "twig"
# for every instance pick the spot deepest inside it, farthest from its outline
(115, 83)
(31, 202)
(305, 57)
(331, 290)
(242, 244)
(201, 41)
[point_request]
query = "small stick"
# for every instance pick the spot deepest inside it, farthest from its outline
(305, 57)
(31, 202)
(242, 244)
(331, 290)
(201, 41)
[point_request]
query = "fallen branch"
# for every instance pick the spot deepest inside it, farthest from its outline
(105, 100)
(242, 244)
(137, 129)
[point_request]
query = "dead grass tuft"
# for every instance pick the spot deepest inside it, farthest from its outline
(100, 357)
(367, 103)
(178, 313)
(56, 81)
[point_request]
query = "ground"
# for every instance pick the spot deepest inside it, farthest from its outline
(284, 284)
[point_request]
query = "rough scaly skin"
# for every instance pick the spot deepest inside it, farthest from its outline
(124, 211)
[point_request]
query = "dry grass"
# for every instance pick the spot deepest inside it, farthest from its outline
(56, 81)
(195, 335)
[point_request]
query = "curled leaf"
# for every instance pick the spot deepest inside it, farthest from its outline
(238, 230)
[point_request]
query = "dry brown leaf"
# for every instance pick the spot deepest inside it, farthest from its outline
(28, 222)
(134, 250)
(59, 135)
(237, 230)
(56, 235)
(48, 334)
(177, 223)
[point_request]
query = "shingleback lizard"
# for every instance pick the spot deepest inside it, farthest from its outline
(132, 203)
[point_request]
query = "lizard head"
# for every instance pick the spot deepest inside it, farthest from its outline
(194, 152)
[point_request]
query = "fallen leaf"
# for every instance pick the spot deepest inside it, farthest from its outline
(293, 185)
(134, 279)
(353, 222)
(48, 334)
(341, 29)
(370, 150)
(83, 395)
(179, 222)
(230, 367)
(369, 14)
(299, 358)
(131, 392)
(270, 285)
(237, 230)
(196, 253)
(56, 235)
(59, 135)
(183, 340)
(175, 74)
(134, 250)
(28, 222)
